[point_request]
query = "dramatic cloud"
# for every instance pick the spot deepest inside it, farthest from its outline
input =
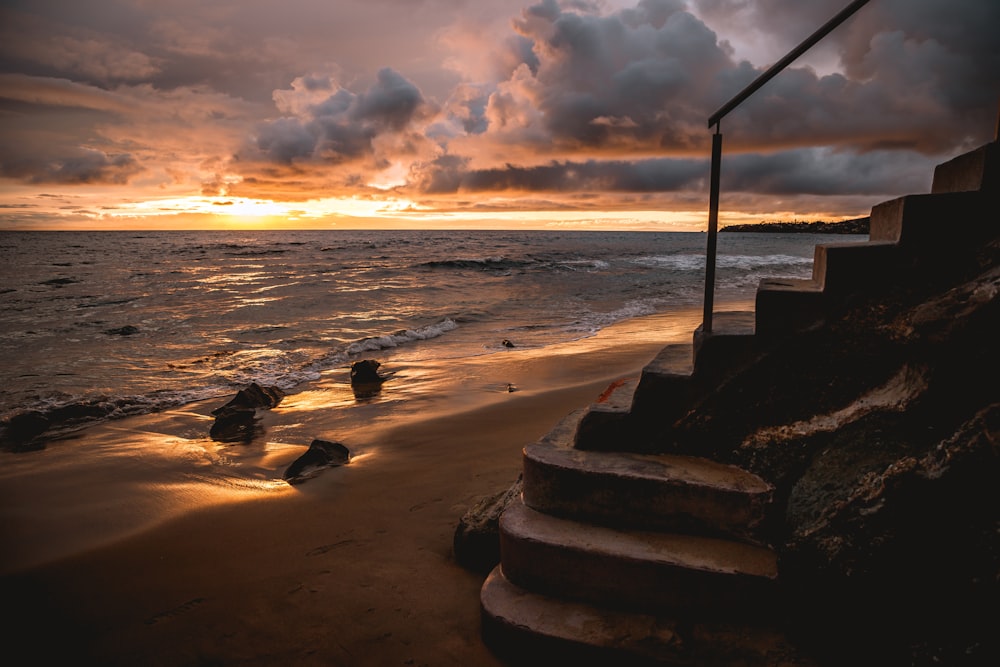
(560, 103)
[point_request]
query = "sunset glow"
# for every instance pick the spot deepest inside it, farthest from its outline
(305, 114)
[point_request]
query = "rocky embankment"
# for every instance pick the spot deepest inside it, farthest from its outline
(855, 226)
(881, 432)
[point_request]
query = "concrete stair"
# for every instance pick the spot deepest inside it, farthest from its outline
(624, 558)
(618, 554)
(906, 237)
(638, 570)
(648, 492)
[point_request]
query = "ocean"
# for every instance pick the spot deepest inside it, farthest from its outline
(100, 325)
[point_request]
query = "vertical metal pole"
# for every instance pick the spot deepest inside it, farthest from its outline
(713, 229)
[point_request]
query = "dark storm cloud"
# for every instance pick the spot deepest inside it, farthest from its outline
(85, 167)
(343, 126)
(922, 74)
(826, 172)
(641, 76)
(654, 73)
(450, 174)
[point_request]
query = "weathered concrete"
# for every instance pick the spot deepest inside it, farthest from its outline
(664, 492)
(638, 570)
(548, 631)
(787, 305)
(976, 170)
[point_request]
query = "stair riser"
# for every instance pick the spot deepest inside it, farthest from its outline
(640, 503)
(845, 268)
(781, 312)
(977, 170)
(930, 223)
(615, 582)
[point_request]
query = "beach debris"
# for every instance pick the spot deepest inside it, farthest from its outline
(320, 455)
(236, 421)
(506, 343)
(365, 379)
(127, 330)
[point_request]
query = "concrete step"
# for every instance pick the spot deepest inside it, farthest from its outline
(845, 268)
(532, 629)
(975, 170)
(934, 222)
(616, 420)
(646, 491)
(788, 305)
(639, 570)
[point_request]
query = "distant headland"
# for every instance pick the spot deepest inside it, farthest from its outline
(853, 226)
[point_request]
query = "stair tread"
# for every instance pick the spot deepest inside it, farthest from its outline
(790, 285)
(517, 614)
(691, 552)
(666, 468)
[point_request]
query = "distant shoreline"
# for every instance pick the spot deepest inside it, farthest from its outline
(853, 226)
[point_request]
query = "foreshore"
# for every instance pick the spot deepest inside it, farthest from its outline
(127, 559)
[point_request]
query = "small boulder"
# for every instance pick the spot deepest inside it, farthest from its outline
(252, 397)
(365, 379)
(321, 454)
(21, 430)
(127, 330)
(236, 421)
(365, 372)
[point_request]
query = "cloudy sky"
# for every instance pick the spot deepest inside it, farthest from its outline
(423, 113)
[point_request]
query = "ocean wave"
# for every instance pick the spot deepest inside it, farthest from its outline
(696, 262)
(401, 337)
(497, 263)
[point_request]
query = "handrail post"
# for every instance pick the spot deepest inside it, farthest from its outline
(713, 229)
(716, 119)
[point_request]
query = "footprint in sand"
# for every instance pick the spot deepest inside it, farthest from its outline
(319, 551)
(176, 611)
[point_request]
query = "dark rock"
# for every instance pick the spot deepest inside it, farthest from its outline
(365, 379)
(320, 455)
(476, 542)
(127, 330)
(252, 397)
(59, 282)
(236, 421)
(21, 430)
(236, 426)
(365, 372)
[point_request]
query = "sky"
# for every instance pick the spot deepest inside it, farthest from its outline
(575, 114)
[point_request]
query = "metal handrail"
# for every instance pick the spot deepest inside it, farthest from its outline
(716, 120)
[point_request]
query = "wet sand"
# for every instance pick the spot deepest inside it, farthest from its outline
(125, 559)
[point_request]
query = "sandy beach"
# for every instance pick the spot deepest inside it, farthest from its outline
(146, 554)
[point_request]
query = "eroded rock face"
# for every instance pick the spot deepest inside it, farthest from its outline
(476, 542)
(880, 433)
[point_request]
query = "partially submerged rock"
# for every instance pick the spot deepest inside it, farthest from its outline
(236, 421)
(320, 455)
(127, 330)
(365, 379)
